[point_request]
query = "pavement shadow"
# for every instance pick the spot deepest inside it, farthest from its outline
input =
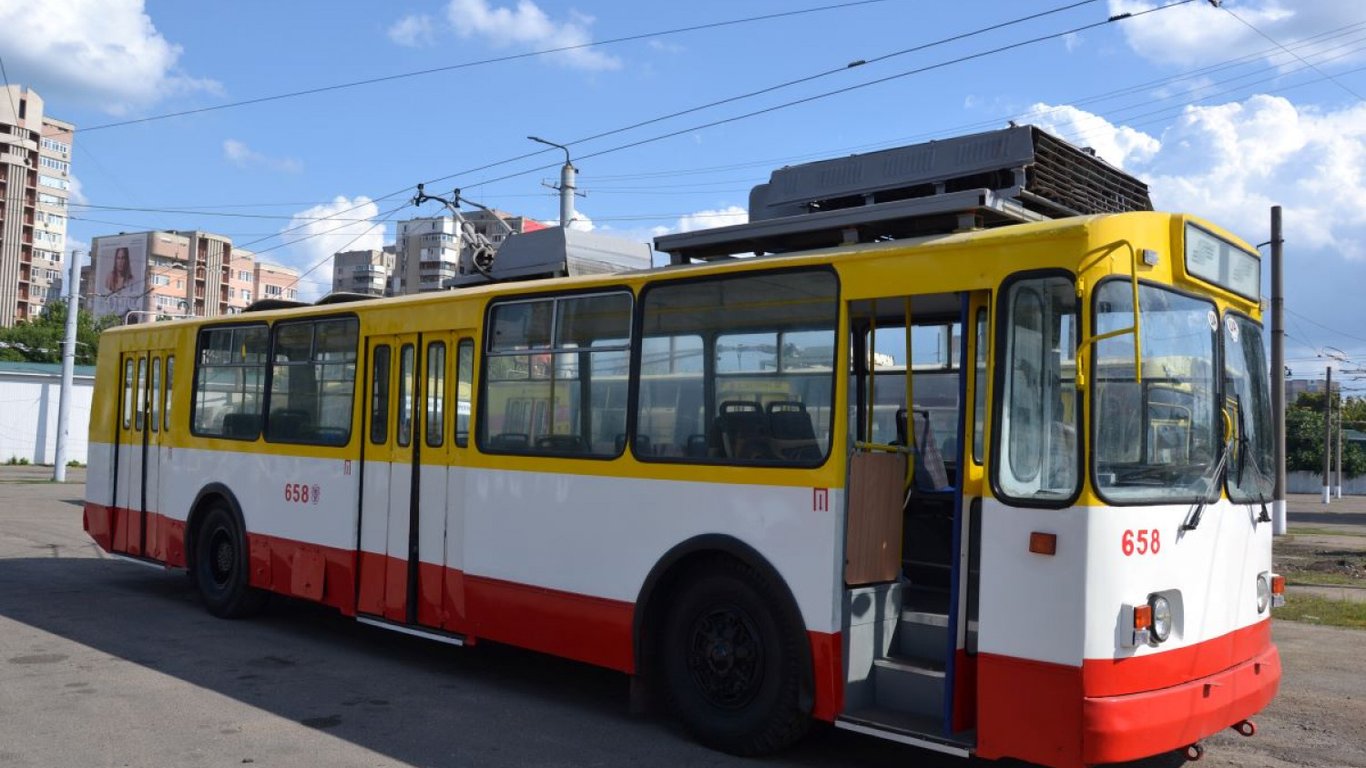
(412, 700)
(1327, 518)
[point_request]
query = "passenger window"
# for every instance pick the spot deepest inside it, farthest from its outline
(128, 393)
(557, 376)
(464, 389)
(140, 404)
(379, 396)
(406, 396)
(979, 388)
(230, 380)
(436, 393)
(154, 395)
(738, 370)
(166, 394)
(312, 381)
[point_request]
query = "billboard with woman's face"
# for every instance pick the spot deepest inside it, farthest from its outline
(120, 275)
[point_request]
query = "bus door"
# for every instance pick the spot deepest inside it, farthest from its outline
(154, 448)
(129, 480)
(387, 498)
(443, 410)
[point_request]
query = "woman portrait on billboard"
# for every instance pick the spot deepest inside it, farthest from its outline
(121, 274)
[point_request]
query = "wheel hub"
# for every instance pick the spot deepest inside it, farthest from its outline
(224, 556)
(725, 657)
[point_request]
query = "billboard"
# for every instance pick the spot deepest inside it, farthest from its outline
(120, 276)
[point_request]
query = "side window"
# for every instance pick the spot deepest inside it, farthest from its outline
(1037, 425)
(556, 380)
(154, 395)
(406, 395)
(379, 396)
(979, 387)
(140, 403)
(128, 393)
(312, 381)
(167, 394)
(230, 375)
(739, 369)
(435, 394)
(464, 389)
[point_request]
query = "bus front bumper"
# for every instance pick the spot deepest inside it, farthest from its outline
(1133, 726)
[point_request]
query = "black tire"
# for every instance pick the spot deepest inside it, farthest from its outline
(221, 566)
(731, 662)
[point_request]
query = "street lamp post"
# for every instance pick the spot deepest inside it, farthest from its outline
(566, 183)
(68, 368)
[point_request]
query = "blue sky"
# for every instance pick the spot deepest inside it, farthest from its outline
(1204, 103)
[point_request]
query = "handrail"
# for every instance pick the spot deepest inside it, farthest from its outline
(1135, 329)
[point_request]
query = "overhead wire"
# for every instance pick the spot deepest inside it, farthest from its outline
(1270, 39)
(483, 62)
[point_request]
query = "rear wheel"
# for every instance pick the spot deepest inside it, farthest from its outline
(732, 663)
(221, 566)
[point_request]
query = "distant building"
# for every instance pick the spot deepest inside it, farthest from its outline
(429, 250)
(366, 272)
(145, 275)
(1296, 387)
(276, 282)
(35, 182)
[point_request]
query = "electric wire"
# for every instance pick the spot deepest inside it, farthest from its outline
(1267, 37)
(482, 62)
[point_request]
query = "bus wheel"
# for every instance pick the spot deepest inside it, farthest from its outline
(220, 567)
(732, 663)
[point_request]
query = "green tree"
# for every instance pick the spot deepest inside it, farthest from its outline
(40, 340)
(1304, 438)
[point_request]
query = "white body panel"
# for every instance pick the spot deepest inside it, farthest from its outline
(1070, 606)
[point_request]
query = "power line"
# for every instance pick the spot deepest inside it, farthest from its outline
(1247, 24)
(835, 92)
(1325, 327)
(482, 62)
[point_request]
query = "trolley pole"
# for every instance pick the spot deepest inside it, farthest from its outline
(1328, 437)
(68, 367)
(1277, 374)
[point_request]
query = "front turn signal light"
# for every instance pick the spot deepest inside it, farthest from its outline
(1277, 590)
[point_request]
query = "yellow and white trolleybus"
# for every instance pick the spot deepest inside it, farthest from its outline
(946, 464)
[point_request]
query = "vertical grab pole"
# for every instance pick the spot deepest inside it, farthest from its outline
(872, 370)
(910, 400)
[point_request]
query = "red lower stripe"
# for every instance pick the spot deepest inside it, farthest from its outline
(580, 627)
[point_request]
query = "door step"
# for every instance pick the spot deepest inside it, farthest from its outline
(922, 634)
(448, 638)
(913, 686)
(903, 728)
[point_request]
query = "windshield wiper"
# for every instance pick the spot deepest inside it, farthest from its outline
(1193, 519)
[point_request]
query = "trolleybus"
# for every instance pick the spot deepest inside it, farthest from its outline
(945, 465)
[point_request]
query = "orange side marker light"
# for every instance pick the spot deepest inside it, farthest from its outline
(1043, 543)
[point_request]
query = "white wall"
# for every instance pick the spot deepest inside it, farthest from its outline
(1310, 482)
(28, 416)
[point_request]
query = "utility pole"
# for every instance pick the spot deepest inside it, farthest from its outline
(566, 187)
(1338, 489)
(68, 367)
(1277, 374)
(1328, 436)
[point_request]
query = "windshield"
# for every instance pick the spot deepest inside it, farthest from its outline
(1155, 441)
(1246, 383)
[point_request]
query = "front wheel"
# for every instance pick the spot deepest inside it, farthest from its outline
(732, 663)
(221, 566)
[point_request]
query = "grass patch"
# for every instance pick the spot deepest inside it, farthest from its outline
(1326, 578)
(1311, 609)
(1311, 531)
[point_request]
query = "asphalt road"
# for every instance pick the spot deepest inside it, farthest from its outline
(104, 663)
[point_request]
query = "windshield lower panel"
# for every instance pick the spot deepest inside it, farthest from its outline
(1155, 440)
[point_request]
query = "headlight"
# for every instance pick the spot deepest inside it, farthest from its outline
(1162, 617)
(1263, 592)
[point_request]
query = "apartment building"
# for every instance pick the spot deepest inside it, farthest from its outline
(366, 271)
(35, 182)
(146, 275)
(429, 250)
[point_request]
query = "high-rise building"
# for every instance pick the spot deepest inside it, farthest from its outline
(366, 271)
(429, 251)
(35, 182)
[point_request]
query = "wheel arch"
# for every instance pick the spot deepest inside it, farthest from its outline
(663, 580)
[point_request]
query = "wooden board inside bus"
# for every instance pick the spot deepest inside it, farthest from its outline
(872, 551)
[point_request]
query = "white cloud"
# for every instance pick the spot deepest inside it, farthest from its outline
(242, 156)
(413, 31)
(76, 194)
(1197, 33)
(101, 52)
(1231, 162)
(1117, 145)
(321, 231)
(708, 219)
(1071, 41)
(581, 222)
(527, 26)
